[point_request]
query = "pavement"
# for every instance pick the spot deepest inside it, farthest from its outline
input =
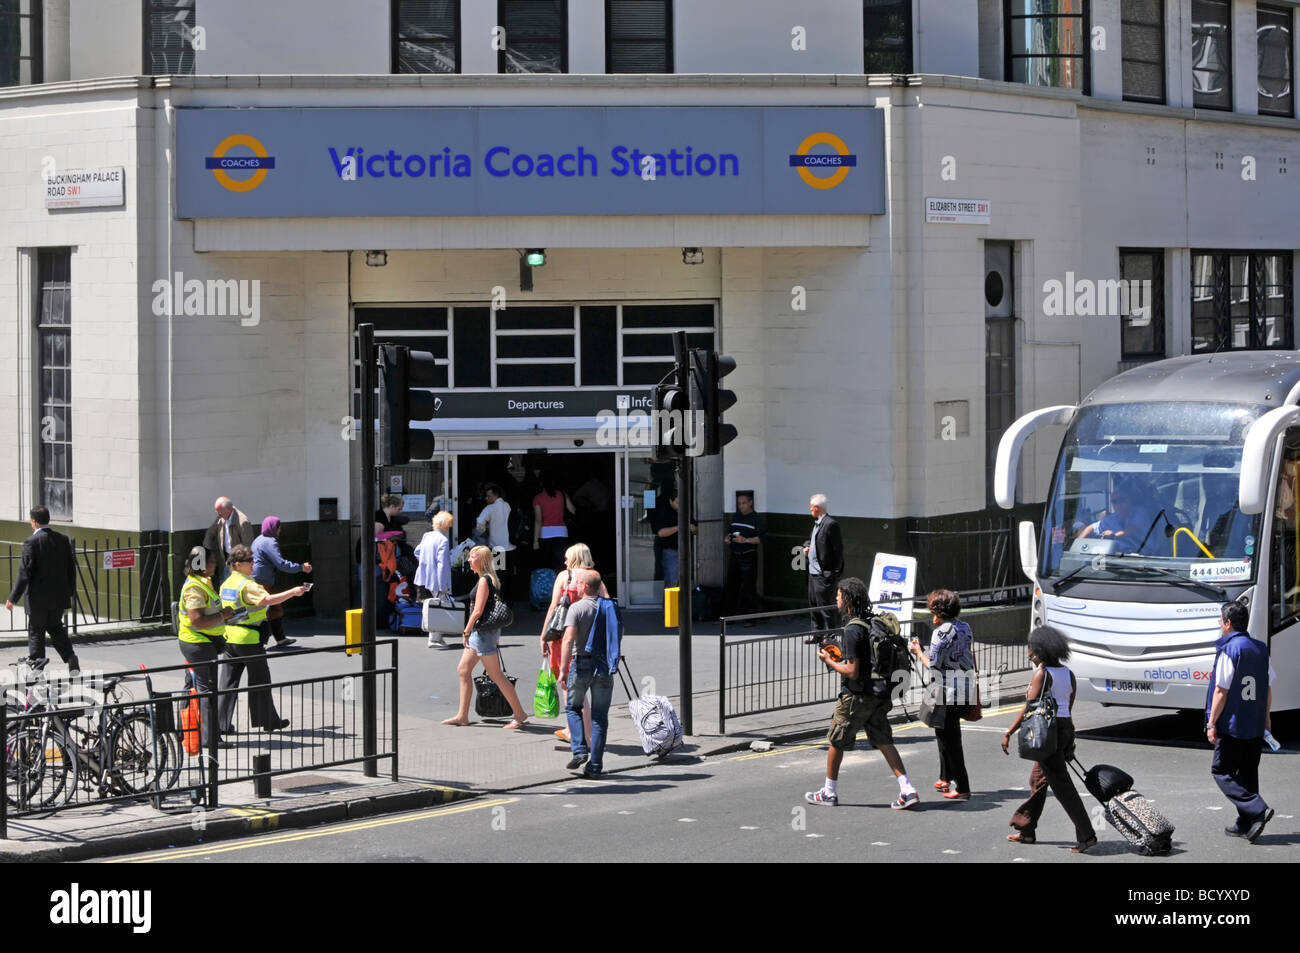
(437, 764)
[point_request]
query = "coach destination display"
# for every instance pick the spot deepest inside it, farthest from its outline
(279, 162)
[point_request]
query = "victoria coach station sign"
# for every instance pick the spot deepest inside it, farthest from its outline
(274, 163)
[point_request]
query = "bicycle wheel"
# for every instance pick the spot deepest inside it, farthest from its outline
(136, 756)
(37, 767)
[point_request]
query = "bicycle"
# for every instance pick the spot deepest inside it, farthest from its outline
(120, 752)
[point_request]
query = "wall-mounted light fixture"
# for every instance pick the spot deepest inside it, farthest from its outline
(376, 259)
(535, 257)
(692, 256)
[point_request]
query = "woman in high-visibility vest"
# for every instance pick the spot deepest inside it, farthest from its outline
(244, 641)
(201, 625)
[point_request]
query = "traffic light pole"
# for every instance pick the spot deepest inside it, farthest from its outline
(369, 734)
(685, 549)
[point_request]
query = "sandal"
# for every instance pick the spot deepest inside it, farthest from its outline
(514, 724)
(941, 785)
(1084, 846)
(1020, 837)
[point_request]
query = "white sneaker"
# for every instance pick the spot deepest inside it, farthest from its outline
(434, 642)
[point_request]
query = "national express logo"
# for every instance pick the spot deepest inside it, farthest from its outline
(223, 164)
(837, 163)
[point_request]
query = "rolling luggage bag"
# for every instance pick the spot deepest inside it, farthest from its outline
(1133, 816)
(655, 718)
(540, 584)
(408, 616)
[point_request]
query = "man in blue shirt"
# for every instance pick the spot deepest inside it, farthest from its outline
(1237, 706)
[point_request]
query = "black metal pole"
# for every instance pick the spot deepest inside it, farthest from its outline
(685, 546)
(209, 706)
(366, 354)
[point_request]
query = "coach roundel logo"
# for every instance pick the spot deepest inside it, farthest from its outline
(223, 164)
(808, 163)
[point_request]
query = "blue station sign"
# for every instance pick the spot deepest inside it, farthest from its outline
(364, 162)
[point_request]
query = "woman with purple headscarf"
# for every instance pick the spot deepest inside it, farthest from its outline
(266, 560)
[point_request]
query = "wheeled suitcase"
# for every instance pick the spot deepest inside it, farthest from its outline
(540, 584)
(407, 616)
(1132, 815)
(1139, 823)
(655, 718)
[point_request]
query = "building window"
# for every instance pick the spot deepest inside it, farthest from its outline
(999, 352)
(1047, 43)
(536, 36)
(1241, 300)
(54, 350)
(887, 36)
(1142, 301)
(168, 37)
(20, 42)
(638, 36)
(1211, 54)
(426, 36)
(1142, 40)
(1276, 72)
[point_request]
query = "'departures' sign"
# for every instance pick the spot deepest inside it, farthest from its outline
(85, 188)
(278, 162)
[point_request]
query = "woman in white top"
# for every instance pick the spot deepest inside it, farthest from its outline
(1048, 650)
(433, 575)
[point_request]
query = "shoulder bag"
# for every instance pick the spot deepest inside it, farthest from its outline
(496, 615)
(555, 624)
(1039, 729)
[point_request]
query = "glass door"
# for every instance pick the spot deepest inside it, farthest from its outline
(644, 484)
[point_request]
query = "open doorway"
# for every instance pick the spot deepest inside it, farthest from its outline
(587, 479)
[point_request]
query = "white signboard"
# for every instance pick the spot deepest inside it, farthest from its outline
(86, 188)
(893, 585)
(414, 503)
(944, 211)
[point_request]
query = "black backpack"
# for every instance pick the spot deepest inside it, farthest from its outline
(889, 654)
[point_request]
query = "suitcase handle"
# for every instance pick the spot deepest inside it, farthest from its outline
(622, 664)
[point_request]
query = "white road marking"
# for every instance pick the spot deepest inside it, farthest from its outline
(880, 843)
(952, 852)
(814, 835)
(627, 812)
(748, 828)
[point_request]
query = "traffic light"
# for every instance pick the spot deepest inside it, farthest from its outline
(672, 408)
(399, 405)
(707, 369)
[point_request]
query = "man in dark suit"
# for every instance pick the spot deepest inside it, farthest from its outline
(48, 576)
(825, 552)
(231, 528)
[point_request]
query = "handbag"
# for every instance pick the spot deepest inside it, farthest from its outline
(555, 622)
(1039, 730)
(497, 615)
(933, 709)
(191, 719)
(488, 700)
(546, 699)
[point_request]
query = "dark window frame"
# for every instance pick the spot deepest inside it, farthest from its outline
(1085, 56)
(53, 266)
(1125, 59)
(669, 51)
(908, 50)
(396, 38)
(35, 17)
(1228, 64)
(1289, 13)
(1157, 304)
(1221, 278)
(147, 8)
(563, 38)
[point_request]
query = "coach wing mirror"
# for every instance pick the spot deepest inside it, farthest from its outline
(1013, 441)
(1257, 456)
(1029, 550)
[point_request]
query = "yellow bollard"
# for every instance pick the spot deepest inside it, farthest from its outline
(672, 597)
(352, 631)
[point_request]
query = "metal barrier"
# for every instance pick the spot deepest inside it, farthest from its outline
(974, 555)
(766, 673)
(117, 582)
(72, 742)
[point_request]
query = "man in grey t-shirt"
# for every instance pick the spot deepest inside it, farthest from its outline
(581, 670)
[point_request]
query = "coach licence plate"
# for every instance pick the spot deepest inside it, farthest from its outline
(1120, 686)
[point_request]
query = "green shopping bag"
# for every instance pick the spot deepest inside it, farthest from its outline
(546, 700)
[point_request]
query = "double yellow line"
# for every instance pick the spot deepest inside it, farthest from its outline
(290, 837)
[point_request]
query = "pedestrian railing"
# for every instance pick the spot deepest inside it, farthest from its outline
(120, 737)
(118, 582)
(766, 672)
